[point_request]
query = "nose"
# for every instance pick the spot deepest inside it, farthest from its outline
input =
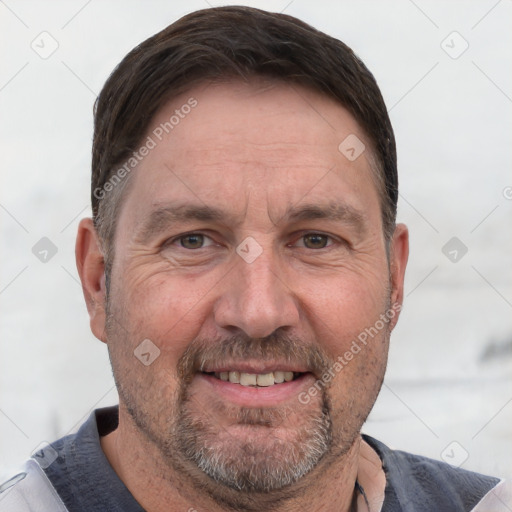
(257, 298)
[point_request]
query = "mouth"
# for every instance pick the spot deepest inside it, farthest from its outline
(258, 380)
(253, 383)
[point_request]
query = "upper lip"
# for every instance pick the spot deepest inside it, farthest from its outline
(254, 367)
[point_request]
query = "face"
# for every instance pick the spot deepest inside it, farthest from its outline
(249, 251)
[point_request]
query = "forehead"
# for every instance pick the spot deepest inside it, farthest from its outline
(263, 146)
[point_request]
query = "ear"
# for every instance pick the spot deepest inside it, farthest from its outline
(91, 268)
(398, 255)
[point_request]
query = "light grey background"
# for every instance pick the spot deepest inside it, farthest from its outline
(452, 122)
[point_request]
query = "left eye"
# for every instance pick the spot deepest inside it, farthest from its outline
(315, 240)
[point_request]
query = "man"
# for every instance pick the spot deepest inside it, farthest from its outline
(245, 270)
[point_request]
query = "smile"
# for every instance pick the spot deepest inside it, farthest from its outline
(256, 379)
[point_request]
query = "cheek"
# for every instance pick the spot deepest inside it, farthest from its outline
(167, 309)
(341, 309)
(345, 316)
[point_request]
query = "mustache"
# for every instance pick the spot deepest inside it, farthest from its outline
(277, 346)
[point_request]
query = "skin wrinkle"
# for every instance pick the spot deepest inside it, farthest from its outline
(183, 443)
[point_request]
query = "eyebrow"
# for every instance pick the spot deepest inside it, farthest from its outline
(167, 214)
(331, 211)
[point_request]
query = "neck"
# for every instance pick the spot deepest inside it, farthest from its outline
(154, 483)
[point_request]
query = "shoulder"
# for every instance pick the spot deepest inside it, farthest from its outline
(29, 490)
(63, 472)
(418, 483)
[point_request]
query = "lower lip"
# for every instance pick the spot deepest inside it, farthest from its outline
(251, 396)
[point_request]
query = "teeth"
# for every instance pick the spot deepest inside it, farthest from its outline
(234, 377)
(278, 377)
(252, 379)
(266, 379)
(248, 379)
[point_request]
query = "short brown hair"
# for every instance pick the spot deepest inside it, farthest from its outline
(219, 43)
